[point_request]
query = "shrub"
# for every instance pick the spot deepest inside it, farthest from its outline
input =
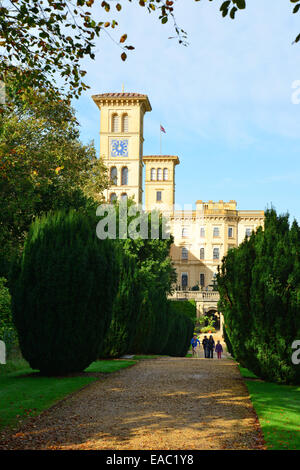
(259, 285)
(181, 329)
(63, 294)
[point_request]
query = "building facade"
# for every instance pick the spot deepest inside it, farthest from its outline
(201, 236)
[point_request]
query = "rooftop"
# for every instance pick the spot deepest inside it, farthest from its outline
(122, 97)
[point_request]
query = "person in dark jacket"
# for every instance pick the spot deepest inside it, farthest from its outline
(211, 347)
(205, 346)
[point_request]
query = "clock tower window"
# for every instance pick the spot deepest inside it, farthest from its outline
(115, 123)
(124, 175)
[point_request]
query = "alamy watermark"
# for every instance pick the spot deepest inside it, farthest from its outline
(296, 353)
(2, 352)
(2, 92)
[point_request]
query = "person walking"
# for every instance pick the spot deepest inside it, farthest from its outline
(211, 347)
(205, 346)
(194, 343)
(219, 349)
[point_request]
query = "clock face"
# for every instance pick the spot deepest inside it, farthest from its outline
(119, 148)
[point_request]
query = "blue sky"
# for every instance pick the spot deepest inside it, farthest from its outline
(225, 100)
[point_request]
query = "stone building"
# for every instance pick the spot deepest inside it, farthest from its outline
(202, 236)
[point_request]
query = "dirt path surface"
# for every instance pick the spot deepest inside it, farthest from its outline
(164, 403)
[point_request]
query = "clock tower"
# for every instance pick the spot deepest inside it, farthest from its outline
(121, 142)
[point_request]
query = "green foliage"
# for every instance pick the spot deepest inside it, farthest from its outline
(207, 329)
(181, 329)
(44, 166)
(188, 307)
(259, 285)
(227, 341)
(63, 294)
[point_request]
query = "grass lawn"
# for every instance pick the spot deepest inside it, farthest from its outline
(278, 410)
(24, 393)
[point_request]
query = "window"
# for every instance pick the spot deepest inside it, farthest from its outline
(216, 232)
(113, 197)
(216, 253)
(123, 196)
(158, 196)
(202, 253)
(114, 175)
(115, 123)
(185, 232)
(202, 279)
(184, 253)
(202, 232)
(159, 174)
(124, 176)
(184, 281)
(230, 232)
(165, 174)
(248, 231)
(152, 174)
(125, 122)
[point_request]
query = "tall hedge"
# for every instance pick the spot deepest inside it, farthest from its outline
(126, 311)
(259, 285)
(180, 332)
(63, 295)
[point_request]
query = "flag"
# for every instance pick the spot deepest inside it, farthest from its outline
(162, 129)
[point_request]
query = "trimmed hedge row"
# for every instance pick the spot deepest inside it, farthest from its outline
(76, 298)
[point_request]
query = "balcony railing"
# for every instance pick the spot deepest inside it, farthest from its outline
(195, 295)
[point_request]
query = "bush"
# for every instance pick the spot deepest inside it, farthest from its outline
(63, 295)
(181, 329)
(259, 285)
(207, 329)
(126, 311)
(188, 307)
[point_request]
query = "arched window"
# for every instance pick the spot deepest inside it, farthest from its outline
(184, 281)
(124, 176)
(152, 174)
(113, 197)
(114, 175)
(165, 174)
(115, 123)
(184, 253)
(123, 196)
(216, 253)
(202, 253)
(159, 174)
(125, 122)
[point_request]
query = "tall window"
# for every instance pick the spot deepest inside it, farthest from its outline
(125, 122)
(123, 196)
(248, 231)
(115, 123)
(184, 281)
(202, 232)
(152, 174)
(124, 176)
(230, 232)
(114, 175)
(202, 253)
(185, 232)
(202, 279)
(159, 174)
(216, 253)
(184, 253)
(216, 232)
(113, 197)
(158, 196)
(165, 174)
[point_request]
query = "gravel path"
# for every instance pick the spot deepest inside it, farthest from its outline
(164, 403)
